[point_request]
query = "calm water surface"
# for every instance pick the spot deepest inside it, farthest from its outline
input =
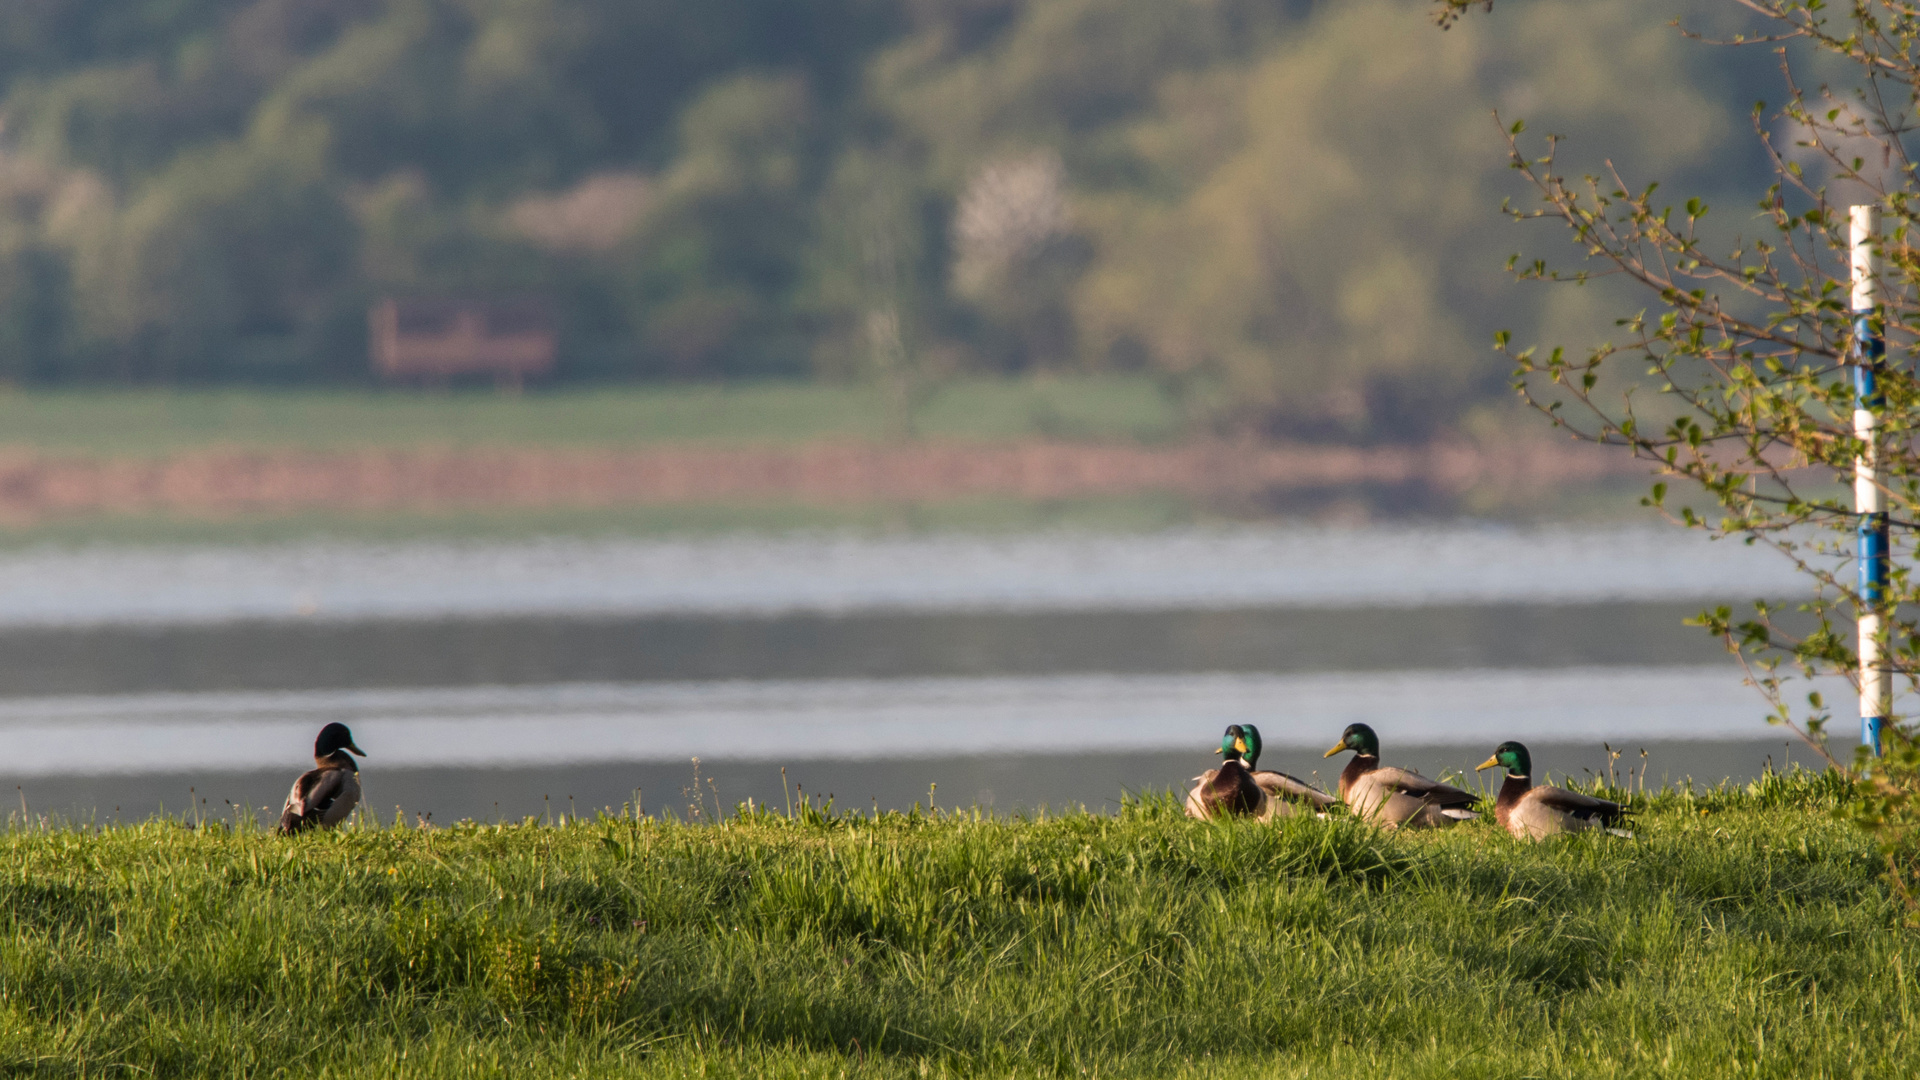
(852, 719)
(1016, 671)
(1243, 566)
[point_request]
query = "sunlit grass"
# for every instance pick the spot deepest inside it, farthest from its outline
(1744, 933)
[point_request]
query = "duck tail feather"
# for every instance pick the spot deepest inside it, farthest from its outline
(1459, 815)
(1628, 834)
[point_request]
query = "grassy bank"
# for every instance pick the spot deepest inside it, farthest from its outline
(1124, 513)
(151, 422)
(1743, 934)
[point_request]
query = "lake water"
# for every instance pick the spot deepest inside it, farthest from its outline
(860, 720)
(1034, 669)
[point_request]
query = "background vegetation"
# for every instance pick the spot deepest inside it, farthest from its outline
(1286, 211)
(1745, 933)
(142, 423)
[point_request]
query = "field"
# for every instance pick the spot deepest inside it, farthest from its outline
(149, 423)
(1744, 933)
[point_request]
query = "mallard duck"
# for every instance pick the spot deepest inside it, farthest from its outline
(1533, 813)
(1289, 790)
(1391, 796)
(323, 796)
(1238, 787)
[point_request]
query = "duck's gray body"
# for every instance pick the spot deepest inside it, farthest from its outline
(1291, 794)
(1278, 795)
(322, 797)
(1228, 791)
(1535, 813)
(1401, 798)
(1240, 788)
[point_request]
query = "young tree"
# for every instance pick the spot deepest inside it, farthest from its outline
(1739, 378)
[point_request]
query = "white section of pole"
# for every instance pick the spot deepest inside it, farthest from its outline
(1866, 480)
(1875, 700)
(1872, 553)
(1865, 222)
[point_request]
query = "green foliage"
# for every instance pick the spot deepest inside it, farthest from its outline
(1310, 244)
(1279, 208)
(1744, 933)
(1744, 364)
(1891, 812)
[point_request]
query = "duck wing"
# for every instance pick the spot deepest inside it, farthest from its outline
(1394, 796)
(1547, 811)
(320, 797)
(1586, 807)
(1279, 785)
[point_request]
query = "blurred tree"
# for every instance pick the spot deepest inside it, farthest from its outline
(1009, 96)
(1016, 256)
(1276, 205)
(875, 254)
(1777, 391)
(714, 264)
(34, 292)
(222, 262)
(1324, 255)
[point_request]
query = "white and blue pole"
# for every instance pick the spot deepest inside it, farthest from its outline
(1869, 353)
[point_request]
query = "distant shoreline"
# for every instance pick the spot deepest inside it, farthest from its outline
(37, 487)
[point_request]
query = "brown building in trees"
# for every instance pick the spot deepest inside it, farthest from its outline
(433, 340)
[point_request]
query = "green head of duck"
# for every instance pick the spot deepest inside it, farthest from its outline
(1358, 738)
(335, 738)
(1511, 756)
(1241, 743)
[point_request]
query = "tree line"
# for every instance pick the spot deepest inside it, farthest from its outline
(1287, 210)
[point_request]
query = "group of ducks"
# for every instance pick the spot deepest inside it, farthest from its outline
(1394, 797)
(1400, 798)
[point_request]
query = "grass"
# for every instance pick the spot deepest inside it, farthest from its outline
(152, 422)
(1144, 512)
(1744, 934)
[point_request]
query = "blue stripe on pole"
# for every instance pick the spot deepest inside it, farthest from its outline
(1873, 558)
(1873, 539)
(1869, 350)
(1868, 345)
(1866, 387)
